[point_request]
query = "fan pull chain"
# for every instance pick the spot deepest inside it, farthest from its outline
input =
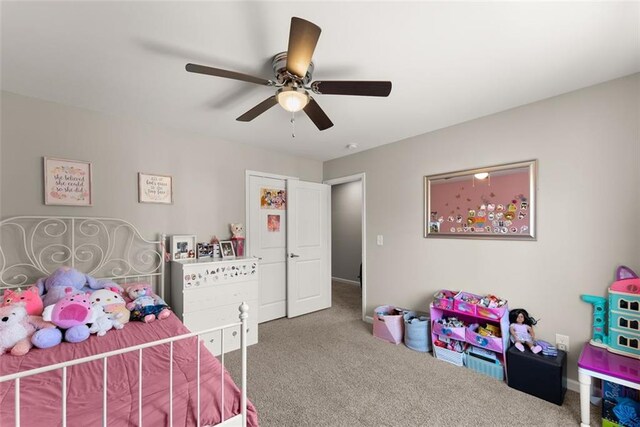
(293, 125)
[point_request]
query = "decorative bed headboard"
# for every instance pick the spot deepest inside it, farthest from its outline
(105, 248)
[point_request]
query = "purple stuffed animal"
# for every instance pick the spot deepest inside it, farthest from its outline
(53, 288)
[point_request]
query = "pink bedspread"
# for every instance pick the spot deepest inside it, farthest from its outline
(41, 394)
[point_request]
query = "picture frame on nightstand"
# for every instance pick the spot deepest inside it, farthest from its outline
(204, 250)
(226, 250)
(183, 246)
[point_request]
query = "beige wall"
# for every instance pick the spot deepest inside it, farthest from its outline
(209, 175)
(346, 230)
(587, 143)
(588, 147)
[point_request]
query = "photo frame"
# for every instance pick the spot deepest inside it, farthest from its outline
(494, 202)
(154, 188)
(226, 250)
(204, 250)
(183, 246)
(67, 182)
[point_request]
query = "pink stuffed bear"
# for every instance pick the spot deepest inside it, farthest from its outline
(16, 329)
(30, 297)
(145, 305)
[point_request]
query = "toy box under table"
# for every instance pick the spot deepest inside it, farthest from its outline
(620, 405)
(541, 376)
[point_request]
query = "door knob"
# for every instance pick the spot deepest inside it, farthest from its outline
(294, 256)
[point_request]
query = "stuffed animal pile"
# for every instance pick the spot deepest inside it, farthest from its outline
(70, 306)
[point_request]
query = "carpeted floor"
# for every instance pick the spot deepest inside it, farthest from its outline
(326, 369)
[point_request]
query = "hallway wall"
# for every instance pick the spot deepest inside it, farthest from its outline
(346, 230)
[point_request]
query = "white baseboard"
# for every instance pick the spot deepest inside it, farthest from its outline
(368, 319)
(573, 385)
(351, 282)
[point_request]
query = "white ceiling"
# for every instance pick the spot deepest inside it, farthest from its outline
(449, 62)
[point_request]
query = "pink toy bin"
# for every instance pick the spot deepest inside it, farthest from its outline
(388, 324)
(445, 303)
(449, 332)
(491, 313)
(490, 343)
(465, 307)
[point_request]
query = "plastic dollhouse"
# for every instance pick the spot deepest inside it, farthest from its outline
(622, 314)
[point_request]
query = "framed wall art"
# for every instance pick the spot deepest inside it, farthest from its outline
(67, 182)
(495, 202)
(155, 188)
(183, 246)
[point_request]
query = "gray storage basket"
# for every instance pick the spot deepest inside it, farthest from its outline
(417, 331)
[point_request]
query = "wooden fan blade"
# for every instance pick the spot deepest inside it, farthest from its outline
(258, 109)
(317, 116)
(303, 37)
(347, 87)
(218, 72)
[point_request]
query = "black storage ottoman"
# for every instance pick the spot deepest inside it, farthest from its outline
(541, 376)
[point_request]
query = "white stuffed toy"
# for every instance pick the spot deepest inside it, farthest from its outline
(16, 329)
(113, 305)
(237, 237)
(237, 231)
(102, 322)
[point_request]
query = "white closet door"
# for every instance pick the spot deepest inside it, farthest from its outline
(308, 247)
(266, 237)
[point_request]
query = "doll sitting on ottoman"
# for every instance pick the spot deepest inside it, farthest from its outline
(521, 330)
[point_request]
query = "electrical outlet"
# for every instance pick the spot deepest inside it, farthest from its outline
(562, 342)
(380, 240)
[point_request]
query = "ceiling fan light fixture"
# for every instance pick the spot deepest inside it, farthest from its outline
(292, 99)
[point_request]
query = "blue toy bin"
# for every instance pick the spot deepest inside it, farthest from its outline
(417, 334)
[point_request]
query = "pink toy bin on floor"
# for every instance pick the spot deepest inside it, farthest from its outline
(388, 324)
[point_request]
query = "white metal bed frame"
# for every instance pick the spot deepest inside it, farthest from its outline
(110, 249)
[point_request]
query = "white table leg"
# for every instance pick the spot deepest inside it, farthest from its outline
(585, 397)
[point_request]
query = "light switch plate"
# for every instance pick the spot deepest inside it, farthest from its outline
(562, 342)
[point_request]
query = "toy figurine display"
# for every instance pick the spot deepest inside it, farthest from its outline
(521, 330)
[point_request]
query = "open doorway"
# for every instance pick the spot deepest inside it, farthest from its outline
(348, 233)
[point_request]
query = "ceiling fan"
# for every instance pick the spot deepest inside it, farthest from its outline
(293, 71)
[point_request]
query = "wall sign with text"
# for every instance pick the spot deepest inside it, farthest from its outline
(67, 182)
(155, 188)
